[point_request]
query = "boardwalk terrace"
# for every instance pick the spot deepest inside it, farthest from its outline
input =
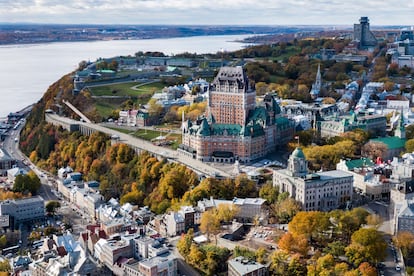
(235, 128)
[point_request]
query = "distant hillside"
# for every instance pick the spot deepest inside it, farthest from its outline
(35, 33)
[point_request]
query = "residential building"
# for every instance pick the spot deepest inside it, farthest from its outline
(234, 128)
(14, 172)
(6, 162)
(370, 180)
(109, 251)
(63, 172)
(117, 225)
(405, 217)
(175, 223)
(403, 167)
(128, 117)
(402, 195)
(317, 191)
(313, 112)
(241, 266)
(148, 247)
(62, 255)
(160, 265)
(249, 208)
(23, 210)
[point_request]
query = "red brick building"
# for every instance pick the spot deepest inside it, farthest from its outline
(235, 128)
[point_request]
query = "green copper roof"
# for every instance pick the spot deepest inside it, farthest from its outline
(391, 142)
(226, 129)
(359, 163)
(258, 114)
(298, 153)
(204, 129)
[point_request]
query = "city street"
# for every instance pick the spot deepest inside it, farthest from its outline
(394, 258)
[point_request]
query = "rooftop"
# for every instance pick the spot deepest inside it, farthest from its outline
(391, 142)
(359, 163)
(244, 266)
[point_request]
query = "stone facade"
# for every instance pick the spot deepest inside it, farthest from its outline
(318, 191)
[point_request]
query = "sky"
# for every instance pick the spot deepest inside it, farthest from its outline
(208, 12)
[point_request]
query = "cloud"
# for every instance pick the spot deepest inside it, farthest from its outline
(207, 11)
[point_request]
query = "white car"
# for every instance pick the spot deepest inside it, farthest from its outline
(397, 267)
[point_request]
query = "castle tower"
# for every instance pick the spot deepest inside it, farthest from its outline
(297, 163)
(231, 97)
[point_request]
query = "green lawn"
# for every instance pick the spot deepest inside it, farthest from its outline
(148, 134)
(106, 106)
(125, 89)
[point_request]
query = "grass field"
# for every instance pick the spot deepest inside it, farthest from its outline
(140, 95)
(105, 107)
(126, 89)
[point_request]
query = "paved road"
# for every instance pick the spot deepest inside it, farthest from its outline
(393, 257)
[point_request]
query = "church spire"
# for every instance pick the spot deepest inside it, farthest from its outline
(317, 85)
(400, 129)
(318, 81)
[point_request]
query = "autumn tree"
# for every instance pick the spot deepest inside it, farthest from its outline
(294, 243)
(269, 192)
(154, 109)
(311, 224)
(185, 242)
(5, 267)
(52, 206)
(135, 196)
(261, 255)
(351, 221)
(226, 212)
(195, 255)
(279, 262)
(409, 132)
(367, 245)
(3, 241)
(210, 223)
(28, 183)
(366, 269)
(405, 241)
(335, 248)
(374, 150)
(286, 209)
(409, 145)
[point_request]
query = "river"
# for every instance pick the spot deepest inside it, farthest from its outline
(27, 70)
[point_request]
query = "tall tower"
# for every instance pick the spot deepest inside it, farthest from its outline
(363, 34)
(317, 85)
(231, 97)
(297, 163)
(400, 129)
